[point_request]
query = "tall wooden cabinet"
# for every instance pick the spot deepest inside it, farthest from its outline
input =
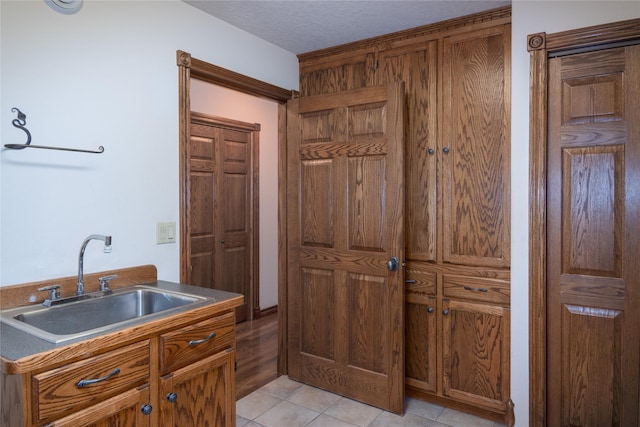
(457, 213)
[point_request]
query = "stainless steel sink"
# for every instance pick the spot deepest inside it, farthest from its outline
(73, 320)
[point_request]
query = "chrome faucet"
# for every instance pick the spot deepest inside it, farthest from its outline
(107, 249)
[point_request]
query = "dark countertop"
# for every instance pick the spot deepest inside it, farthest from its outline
(16, 344)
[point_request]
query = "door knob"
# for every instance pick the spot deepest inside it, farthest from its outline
(393, 263)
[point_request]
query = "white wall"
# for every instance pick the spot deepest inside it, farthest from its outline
(104, 76)
(534, 17)
(222, 102)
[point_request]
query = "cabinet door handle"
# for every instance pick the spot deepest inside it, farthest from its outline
(203, 340)
(83, 383)
(172, 397)
(410, 281)
(430, 310)
(431, 151)
(469, 288)
(445, 312)
(146, 409)
(445, 150)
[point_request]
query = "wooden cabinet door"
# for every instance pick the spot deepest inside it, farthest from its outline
(475, 147)
(345, 223)
(593, 273)
(421, 329)
(124, 410)
(417, 66)
(354, 70)
(475, 353)
(200, 394)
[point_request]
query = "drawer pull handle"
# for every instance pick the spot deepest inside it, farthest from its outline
(84, 383)
(469, 288)
(203, 340)
(410, 281)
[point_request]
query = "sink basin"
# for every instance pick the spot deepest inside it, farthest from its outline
(73, 320)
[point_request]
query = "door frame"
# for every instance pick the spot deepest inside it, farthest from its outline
(541, 46)
(192, 68)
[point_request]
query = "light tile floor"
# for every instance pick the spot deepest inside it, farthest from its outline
(287, 403)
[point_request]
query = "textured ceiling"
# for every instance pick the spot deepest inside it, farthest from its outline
(301, 26)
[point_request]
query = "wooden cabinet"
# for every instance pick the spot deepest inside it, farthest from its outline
(199, 394)
(123, 410)
(200, 390)
(66, 389)
(176, 376)
(457, 197)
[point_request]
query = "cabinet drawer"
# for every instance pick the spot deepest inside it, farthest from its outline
(72, 387)
(184, 346)
(477, 288)
(419, 285)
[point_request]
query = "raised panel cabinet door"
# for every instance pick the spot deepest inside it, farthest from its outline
(593, 223)
(345, 225)
(128, 409)
(475, 150)
(421, 328)
(475, 353)
(200, 394)
(417, 67)
(343, 73)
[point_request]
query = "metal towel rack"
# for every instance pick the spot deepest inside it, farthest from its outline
(20, 123)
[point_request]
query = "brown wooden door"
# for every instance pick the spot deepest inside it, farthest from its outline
(593, 240)
(345, 222)
(222, 207)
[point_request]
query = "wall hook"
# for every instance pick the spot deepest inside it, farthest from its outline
(21, 121)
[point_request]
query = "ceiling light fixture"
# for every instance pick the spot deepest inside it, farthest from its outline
(68, 7)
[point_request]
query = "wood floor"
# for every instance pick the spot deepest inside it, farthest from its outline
(256, 354)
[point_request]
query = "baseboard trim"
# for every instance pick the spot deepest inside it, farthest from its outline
(258, 313)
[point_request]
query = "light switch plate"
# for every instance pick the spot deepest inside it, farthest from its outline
(165, 232)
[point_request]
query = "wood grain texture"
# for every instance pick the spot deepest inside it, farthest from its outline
(590, 145)
(205, 393)
(598, 36)
(457, 217)
(215, 334)
(222, 209)
(416, 65)
(475, 148)
(122, 410)
(345, 309)
(475, 350)
(256, 354)
(56, 392)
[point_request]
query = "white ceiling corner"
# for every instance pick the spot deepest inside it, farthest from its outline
(301, 26)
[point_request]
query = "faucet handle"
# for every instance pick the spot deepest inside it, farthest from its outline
(54, 291)
(104, 281)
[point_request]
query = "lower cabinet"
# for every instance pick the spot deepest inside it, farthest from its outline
(457, 338)
(180, 376)
(123, 410)
(197, 395)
